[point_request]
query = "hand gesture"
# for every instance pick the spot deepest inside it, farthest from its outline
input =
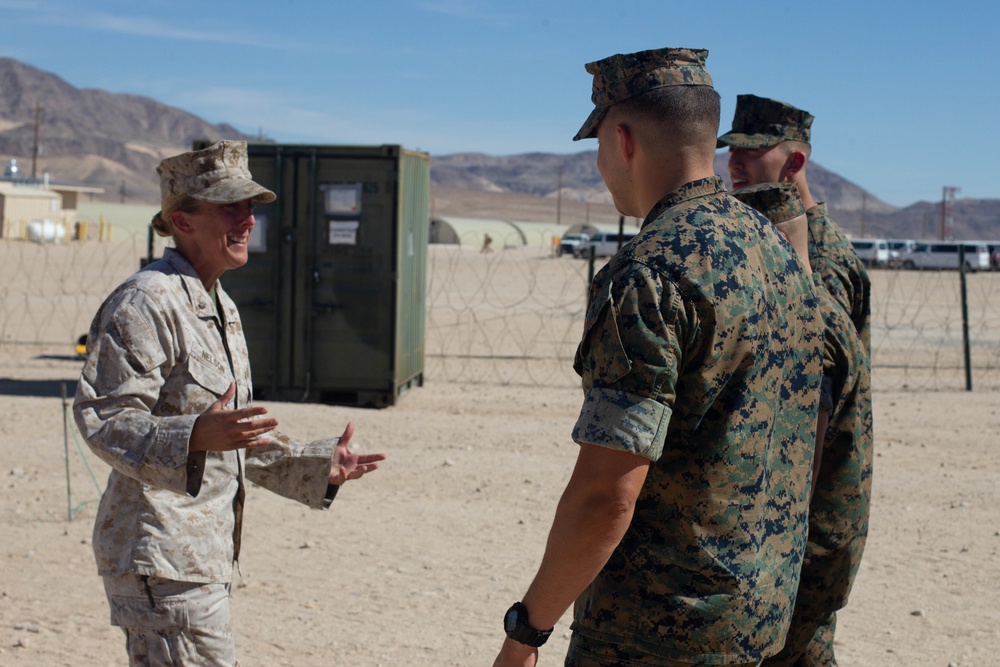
(219, 429)
(349, 465)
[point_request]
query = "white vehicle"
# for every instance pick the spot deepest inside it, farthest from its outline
(604, 244)
(944, 255)
(570, 242)
(901, 253)
(872, 252)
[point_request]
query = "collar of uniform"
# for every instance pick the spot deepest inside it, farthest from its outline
(817, 211)
(199, 297)
(703, 187)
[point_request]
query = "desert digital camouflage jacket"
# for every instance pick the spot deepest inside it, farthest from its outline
(702, 352)
(158, 356)
(832, 256)
(838, 513)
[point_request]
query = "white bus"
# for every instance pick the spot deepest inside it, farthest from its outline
(944, 255)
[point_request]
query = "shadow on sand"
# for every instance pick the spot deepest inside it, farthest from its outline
(41, 388)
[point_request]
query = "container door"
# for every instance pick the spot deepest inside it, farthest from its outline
(349, 285)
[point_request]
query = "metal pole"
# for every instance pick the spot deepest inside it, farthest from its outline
(965, 318)
(149, 245)
(590, 273)
(69, 495)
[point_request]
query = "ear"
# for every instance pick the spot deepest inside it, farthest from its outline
(626, 142)
(181, 222)
(794, 163)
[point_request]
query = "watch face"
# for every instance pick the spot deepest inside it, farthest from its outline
(510, 620)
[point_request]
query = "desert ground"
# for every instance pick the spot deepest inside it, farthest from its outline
(415, 564)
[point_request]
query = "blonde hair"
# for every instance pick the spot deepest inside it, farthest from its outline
(161, 221)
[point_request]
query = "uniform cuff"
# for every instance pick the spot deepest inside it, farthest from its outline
(620, 420)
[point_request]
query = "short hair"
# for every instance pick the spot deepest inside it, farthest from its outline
(799, 146)
(686, 114)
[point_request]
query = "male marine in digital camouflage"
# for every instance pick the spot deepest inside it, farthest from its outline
(681, 531)
(838, 511)
(769, 142)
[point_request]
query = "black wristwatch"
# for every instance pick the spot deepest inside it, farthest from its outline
(515, 624)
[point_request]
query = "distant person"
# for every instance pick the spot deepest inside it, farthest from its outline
(838, 511)
(681, 530)
(165, 400)
(487, 243)
(769, 142)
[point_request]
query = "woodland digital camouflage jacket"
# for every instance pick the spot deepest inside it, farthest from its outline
(846, 278)
(702, 352)
(838, 513)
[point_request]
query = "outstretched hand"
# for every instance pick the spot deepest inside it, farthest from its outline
(219, 429)
(350, 465)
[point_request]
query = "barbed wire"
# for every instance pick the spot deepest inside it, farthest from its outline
(510, 313)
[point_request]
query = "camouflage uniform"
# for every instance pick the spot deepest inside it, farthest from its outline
(760, 122)
(160, 355)
(845, 277)
(838, 511)
(699, 355)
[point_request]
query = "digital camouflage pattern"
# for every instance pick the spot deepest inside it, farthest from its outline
(759, 122)
(838, 512)
(191, 623)
(701, 352)
(845, 277)
(778, 202)
(624, 76)
(219, 174)
(585, 653)
(157, 359)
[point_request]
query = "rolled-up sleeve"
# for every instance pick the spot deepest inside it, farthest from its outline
(629, 359)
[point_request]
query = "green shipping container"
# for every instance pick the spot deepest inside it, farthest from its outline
(333, 297)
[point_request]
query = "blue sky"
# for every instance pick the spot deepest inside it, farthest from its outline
(905, 95)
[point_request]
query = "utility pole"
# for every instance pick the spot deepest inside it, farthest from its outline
(864, 209)
(948, 212)
(559, 195)
(34, 148)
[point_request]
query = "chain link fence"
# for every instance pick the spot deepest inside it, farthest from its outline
(508, 314)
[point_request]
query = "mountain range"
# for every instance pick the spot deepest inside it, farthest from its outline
(115, 141)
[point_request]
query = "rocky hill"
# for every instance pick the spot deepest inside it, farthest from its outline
(116, 140)
(91, 136)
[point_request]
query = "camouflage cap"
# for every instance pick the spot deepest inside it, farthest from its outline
(779, 202)
(217, 174)
(760, 122)
(620, 77)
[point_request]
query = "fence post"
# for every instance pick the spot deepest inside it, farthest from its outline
(965, 317)
(69, 493)
(590, 272)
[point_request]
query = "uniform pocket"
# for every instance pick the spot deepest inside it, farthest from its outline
(207, 371)
(139, 338)
(601, 358)
(133, 612)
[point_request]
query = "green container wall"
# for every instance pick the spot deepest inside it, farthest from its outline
(340, 323)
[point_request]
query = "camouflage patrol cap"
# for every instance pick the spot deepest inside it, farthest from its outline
(217, 174)
(623, 76)
(779, 202)
(760, 122)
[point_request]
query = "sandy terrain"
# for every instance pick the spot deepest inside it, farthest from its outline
(416, 564)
